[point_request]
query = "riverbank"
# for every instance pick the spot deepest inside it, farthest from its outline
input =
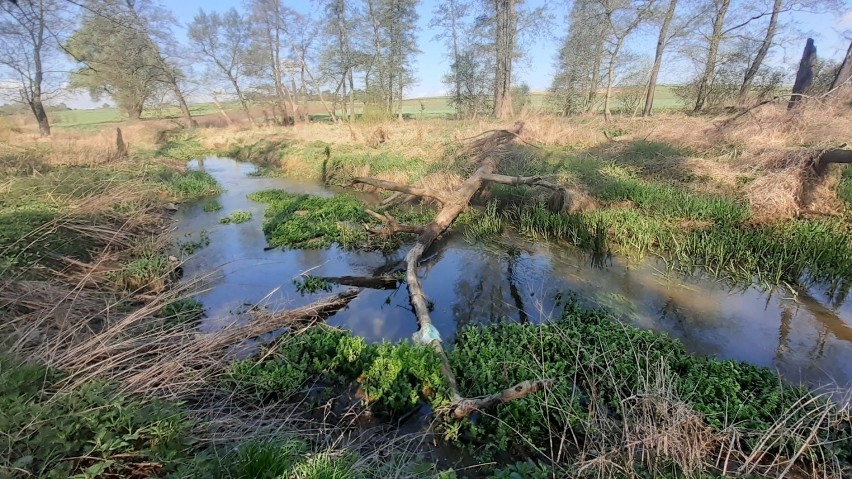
(133, 389)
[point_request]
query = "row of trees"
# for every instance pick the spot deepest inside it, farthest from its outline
(266, 53)
(726, 41)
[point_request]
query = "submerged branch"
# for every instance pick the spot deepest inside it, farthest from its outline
(465, 407)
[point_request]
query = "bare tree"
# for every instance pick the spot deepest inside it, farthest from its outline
(761, 52)
(28, 44)
(269, 19)
(223, 40)
(449, 17)
(622, 18)
(719, 10)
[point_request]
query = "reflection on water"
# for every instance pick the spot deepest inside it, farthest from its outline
(806, 334)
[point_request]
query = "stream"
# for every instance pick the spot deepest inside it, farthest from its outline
(806, 335)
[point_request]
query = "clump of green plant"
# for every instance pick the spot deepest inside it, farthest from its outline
(190, 246)
(594, 357)
(311, 284)
(89, 432)
(211, 205)
(182, 146)
(795, 251)
(192, 184)
(276, 458)
(525, 470)
(151, 272)
(182, 311)
(303, 221)
(236, 217)
(313, 222)
(485, 225)
(393, 377)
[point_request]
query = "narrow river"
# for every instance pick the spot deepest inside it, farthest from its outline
(806, 335)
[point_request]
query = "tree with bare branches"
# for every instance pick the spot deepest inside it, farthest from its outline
(223, 41)
(29, 36)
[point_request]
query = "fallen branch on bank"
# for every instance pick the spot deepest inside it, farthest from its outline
(486, 152)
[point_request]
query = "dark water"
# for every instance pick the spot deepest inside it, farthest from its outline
(805, 335)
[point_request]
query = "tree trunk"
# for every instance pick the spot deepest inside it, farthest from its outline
(505, 49)
(596, 73)
(706, 80)
(761, 53)
(610, 75)
(658, 58)
(184, 108)
(805, 75)
(844, 74)
(351, 97)
(41, 115)
(222, 110)
(242, 99)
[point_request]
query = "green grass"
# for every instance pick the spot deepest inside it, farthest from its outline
(90, 432)
(844, 189)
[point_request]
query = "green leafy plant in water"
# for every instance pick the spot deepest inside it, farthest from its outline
(311, 284)
(211, 206)
(151, 272)
(192, 184)
(190, 246)
(236, 217)
(393, 377)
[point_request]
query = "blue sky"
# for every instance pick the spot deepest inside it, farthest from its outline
(829, 30)
(537, 68)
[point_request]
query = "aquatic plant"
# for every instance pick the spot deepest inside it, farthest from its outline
(193, 184)
(182, 311)
(311, 284)
(190, 246)
(211, 205)
(236, 217)
(304, 221)
(394, 377)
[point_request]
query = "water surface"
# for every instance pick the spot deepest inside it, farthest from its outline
(806, 334)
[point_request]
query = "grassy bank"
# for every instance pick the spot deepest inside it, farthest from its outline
(612, 381)
(712, 207)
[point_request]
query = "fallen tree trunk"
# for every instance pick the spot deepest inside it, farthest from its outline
(372, 282)
(834, 155)
(487, 152)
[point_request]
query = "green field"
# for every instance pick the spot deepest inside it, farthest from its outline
(427, 107)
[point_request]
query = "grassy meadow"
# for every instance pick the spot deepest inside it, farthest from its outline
(101, 341)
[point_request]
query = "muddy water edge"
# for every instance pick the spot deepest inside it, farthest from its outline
(804, 334)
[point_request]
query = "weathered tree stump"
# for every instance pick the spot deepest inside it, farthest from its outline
(805, 75)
